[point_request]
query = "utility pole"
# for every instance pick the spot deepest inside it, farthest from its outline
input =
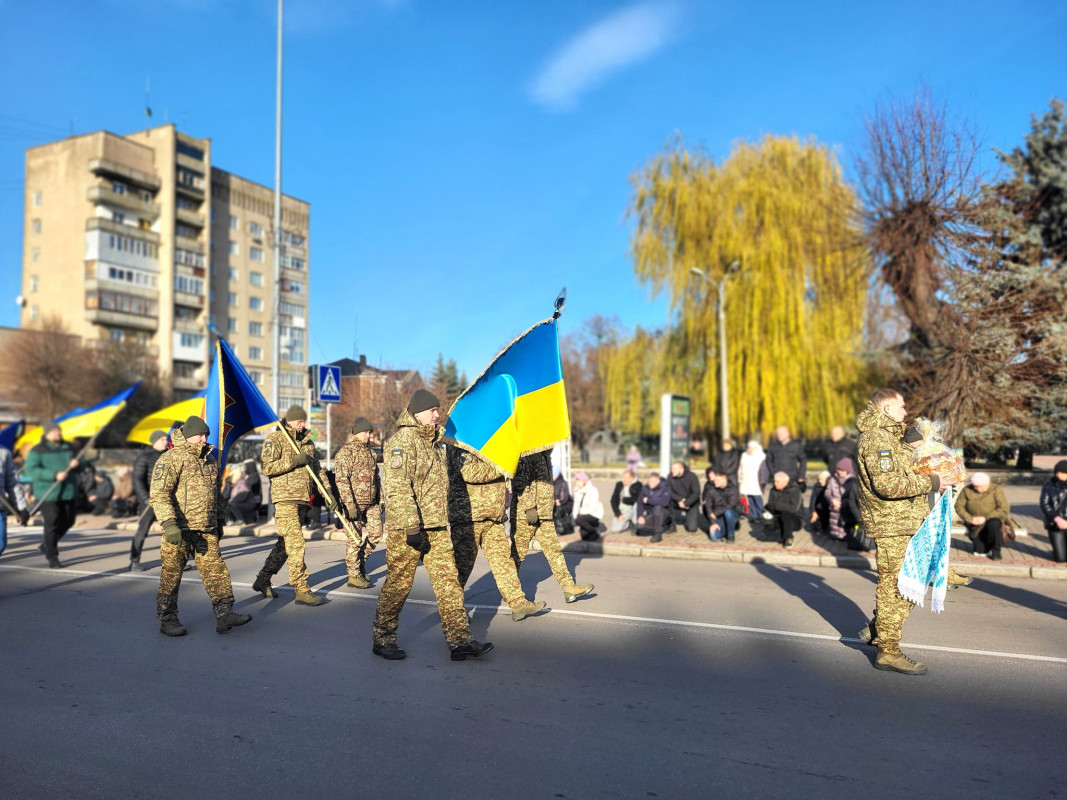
(276, 317)
(724, 394)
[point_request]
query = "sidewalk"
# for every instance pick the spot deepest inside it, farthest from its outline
(1030, 556)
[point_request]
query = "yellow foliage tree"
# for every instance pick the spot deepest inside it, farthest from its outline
(783, 212)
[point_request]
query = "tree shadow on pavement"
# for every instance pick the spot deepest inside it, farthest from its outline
(835, 608)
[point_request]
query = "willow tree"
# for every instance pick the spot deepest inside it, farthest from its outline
(783, 215)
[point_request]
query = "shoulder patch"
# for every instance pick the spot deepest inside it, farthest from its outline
(396, 459)
(157, 475)
(268, 451)
(885, 461)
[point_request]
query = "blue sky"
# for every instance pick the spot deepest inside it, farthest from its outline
(464, 160)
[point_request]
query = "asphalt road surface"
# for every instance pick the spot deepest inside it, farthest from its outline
(678, 679)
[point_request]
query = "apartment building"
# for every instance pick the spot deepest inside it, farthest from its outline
(140, 238)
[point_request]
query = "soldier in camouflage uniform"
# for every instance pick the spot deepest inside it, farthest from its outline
(416, 502)
(893, 502)
(355, 468)
(532, 502)
(290, 492)
(476, 499)
(185, 497)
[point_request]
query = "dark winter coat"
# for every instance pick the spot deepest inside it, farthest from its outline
(835, 451)
(1053, 501)
(788, 458)
(715, 501)
(787, 500)
(850, 504)
(728, 463)
(562, 492)
(624, 496)
(649, 497)
(142, 474)
(685, 488)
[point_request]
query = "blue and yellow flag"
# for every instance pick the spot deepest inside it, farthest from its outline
(234, 405)
(82, 422)
(518, 405)
(163, 419)
(9, 434)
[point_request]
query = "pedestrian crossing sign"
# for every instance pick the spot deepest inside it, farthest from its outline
(329, 384)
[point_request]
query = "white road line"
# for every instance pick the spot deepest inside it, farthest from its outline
(680, 623)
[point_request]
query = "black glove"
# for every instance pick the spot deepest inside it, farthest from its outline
(24, 517)
(300, 459)
(803, 485)
(172, 534)
(532, 518)
(418, 540)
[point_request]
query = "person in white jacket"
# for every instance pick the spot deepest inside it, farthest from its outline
(753, 477)
(587, 507)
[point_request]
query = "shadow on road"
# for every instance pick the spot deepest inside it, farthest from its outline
(838, 610)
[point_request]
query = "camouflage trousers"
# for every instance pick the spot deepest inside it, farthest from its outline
(890, 609)
(401, 561)
(355, 552)
(490, 536)
(213, 572)
(289, 546)
(546, 537)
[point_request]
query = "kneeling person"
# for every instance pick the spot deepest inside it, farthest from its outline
(185, 497)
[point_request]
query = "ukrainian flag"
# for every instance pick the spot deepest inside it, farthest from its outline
(10, 434)
(518, 405)
(165, 418)
(233, 405)
(82, 422)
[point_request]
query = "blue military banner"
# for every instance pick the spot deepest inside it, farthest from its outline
(234, 405)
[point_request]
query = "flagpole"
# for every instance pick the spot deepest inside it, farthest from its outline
(275, 355)
(52, 488)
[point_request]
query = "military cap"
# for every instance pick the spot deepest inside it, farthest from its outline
(194, 426)
(295, 413)
(422, 400)
(361, 424)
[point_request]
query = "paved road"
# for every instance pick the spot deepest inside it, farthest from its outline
(680, 679)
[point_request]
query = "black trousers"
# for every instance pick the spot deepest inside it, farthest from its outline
(785, 524)
(690, 517)
(588, 527)
(987, 537)
(59, 516)
(148, 516)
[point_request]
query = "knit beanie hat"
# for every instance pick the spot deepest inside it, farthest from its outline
(295, 413)
(1061, 466)
(845, 464)
(361, 424)
(156, 436)
(422, 400)
(194, 426)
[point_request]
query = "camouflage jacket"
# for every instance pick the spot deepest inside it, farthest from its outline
(355, 468)
(288, 482)
(476, 488)
(415, 478)
(185, 487)
(532, 486)
(892, 494)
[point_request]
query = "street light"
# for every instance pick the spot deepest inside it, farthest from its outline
(720, 285)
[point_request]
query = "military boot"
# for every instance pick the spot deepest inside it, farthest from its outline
(573, 592)
(527, 608)
(231, 619)
(262, 584)
(360, 581)
(867, 634)
(472, 649)
(306, 597)
(135, 565)
(172, 627)
(390, 652)
(896, 661)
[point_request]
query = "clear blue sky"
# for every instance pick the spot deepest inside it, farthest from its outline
(464, 160)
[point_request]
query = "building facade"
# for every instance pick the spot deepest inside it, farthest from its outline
(139, 238)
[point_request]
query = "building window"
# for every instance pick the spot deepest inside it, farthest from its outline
(33, 312)
(35, 255)
(234, 249)
(212, 296)
(184, 370)
(297, 357)
(187, 149)
(294, 287)
(37, 199)
(255, 353)
(234, 223)
(33, 282)
(255, 303)
(36, 224)
(256, 376)
(292, 309)
(294, 239)
(118, 216)
(185, 231)
(190, 339)
(118, 187)
(114, 334)
(234, 274)
(255, 278)
(255, 229)
(255, 253)
(255, 328)
(232, 299)
(183, 283)
(231, 325)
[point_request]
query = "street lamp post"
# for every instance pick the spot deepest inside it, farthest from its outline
(724, 394)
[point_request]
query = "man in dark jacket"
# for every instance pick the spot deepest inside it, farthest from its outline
(787, 455)
(1054, 510)
(142, 487)
(784, 505)
(720, 503)
(728, 461)
(53, 467)
(653, 508)
(624, 502)
(839, 447)
(685, 496)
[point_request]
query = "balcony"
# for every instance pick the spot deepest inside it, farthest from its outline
(113, 169)
(189, 190)
(109, 225)
(187, 383)
(121, 319)
(188, 300)
(94, 283)
(186, 243)
(104, 194)
(188, 325)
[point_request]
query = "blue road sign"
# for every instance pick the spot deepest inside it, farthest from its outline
(329, 384)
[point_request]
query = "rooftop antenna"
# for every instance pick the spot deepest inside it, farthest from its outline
(147, 89)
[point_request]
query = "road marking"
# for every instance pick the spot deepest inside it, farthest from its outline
(593, 615)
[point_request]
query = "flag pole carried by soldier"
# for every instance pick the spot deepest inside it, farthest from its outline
(289, 460)
(477, 493)
(416, 499)
(185, 498)
(355, 469)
